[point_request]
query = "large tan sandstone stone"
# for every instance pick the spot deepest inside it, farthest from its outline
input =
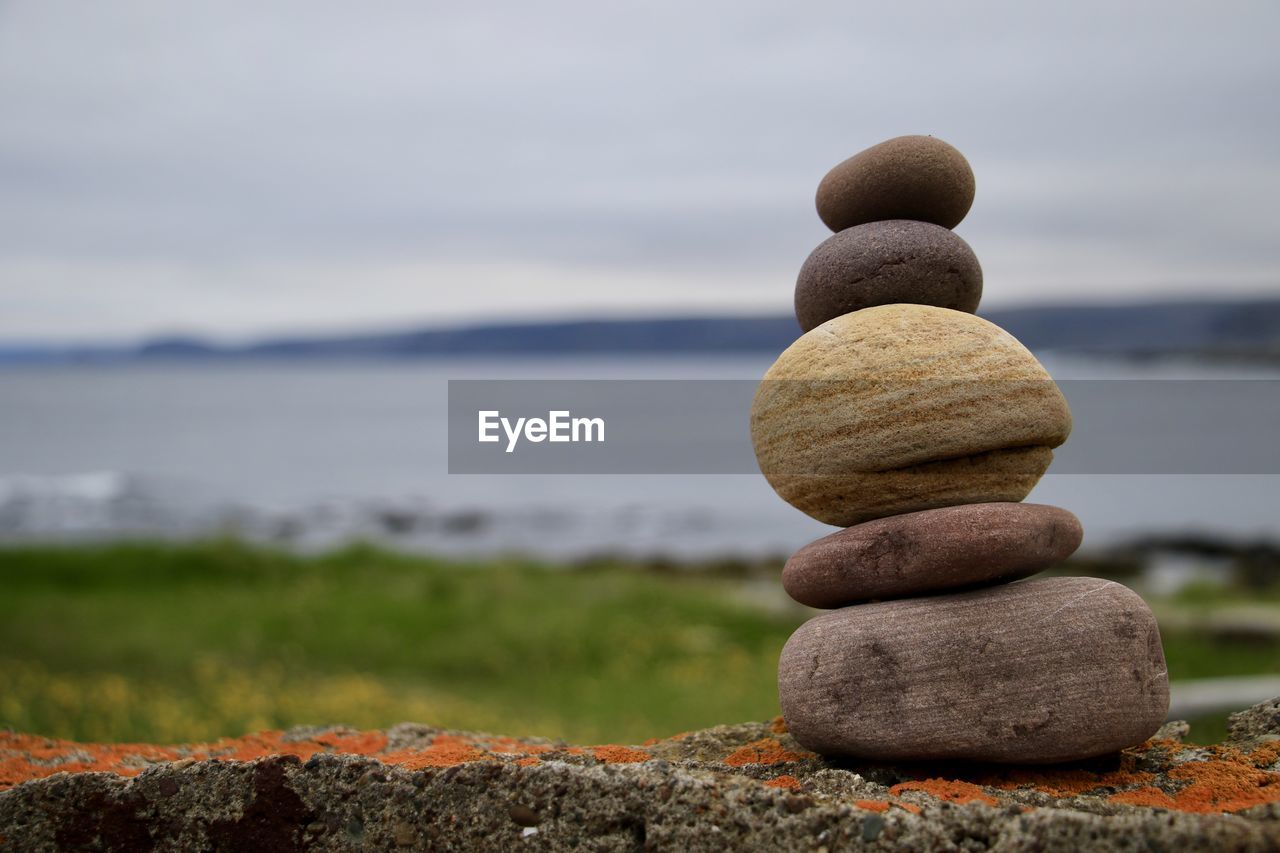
(899, 408)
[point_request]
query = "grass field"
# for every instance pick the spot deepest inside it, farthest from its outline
(172, 643)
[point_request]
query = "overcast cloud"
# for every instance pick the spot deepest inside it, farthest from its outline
(235, 168)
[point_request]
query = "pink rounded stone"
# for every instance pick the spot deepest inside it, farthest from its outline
(931, 550)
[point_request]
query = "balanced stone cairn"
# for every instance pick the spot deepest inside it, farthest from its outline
(918, 427)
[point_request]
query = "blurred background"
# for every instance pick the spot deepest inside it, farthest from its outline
(243, 249)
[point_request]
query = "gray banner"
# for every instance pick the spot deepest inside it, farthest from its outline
(633, 426)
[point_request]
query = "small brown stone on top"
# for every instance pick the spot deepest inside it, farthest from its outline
(907, 177)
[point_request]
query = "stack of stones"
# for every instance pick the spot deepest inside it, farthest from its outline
(918, 427)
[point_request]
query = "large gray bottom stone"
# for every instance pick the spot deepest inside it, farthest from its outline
(1039, 671)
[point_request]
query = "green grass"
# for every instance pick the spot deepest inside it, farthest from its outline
(191, 642)
(165, 642)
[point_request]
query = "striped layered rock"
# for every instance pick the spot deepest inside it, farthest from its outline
(900, 408)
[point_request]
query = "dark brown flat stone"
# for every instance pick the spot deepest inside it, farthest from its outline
(882, 263)
(1042, 671)
(931, 550)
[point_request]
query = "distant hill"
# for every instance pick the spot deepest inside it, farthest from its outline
(1226, 329)
(692, 334)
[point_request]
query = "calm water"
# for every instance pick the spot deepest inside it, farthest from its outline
(314, 454)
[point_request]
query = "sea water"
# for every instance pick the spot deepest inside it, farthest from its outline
(312, 454)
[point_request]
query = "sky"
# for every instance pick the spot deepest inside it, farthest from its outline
(238, 170)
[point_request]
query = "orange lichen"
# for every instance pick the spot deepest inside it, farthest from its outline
(24, 757)
(778, 726)
(951, 790)
(1224, 786)
(1265, 755)
(1215, 779)
(790, 783)
(1220, 779)
(354, 743)
(1165, 743)
(1148, 796)
(1064, 782)
(514, 746)
(763, 751)
(444, 751)
(1224, 780)
(254, 746)
(613, 754)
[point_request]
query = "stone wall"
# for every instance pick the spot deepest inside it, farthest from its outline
(744, 786)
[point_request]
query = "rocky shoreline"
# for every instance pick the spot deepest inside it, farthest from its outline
(112, 507)
(743, 786)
